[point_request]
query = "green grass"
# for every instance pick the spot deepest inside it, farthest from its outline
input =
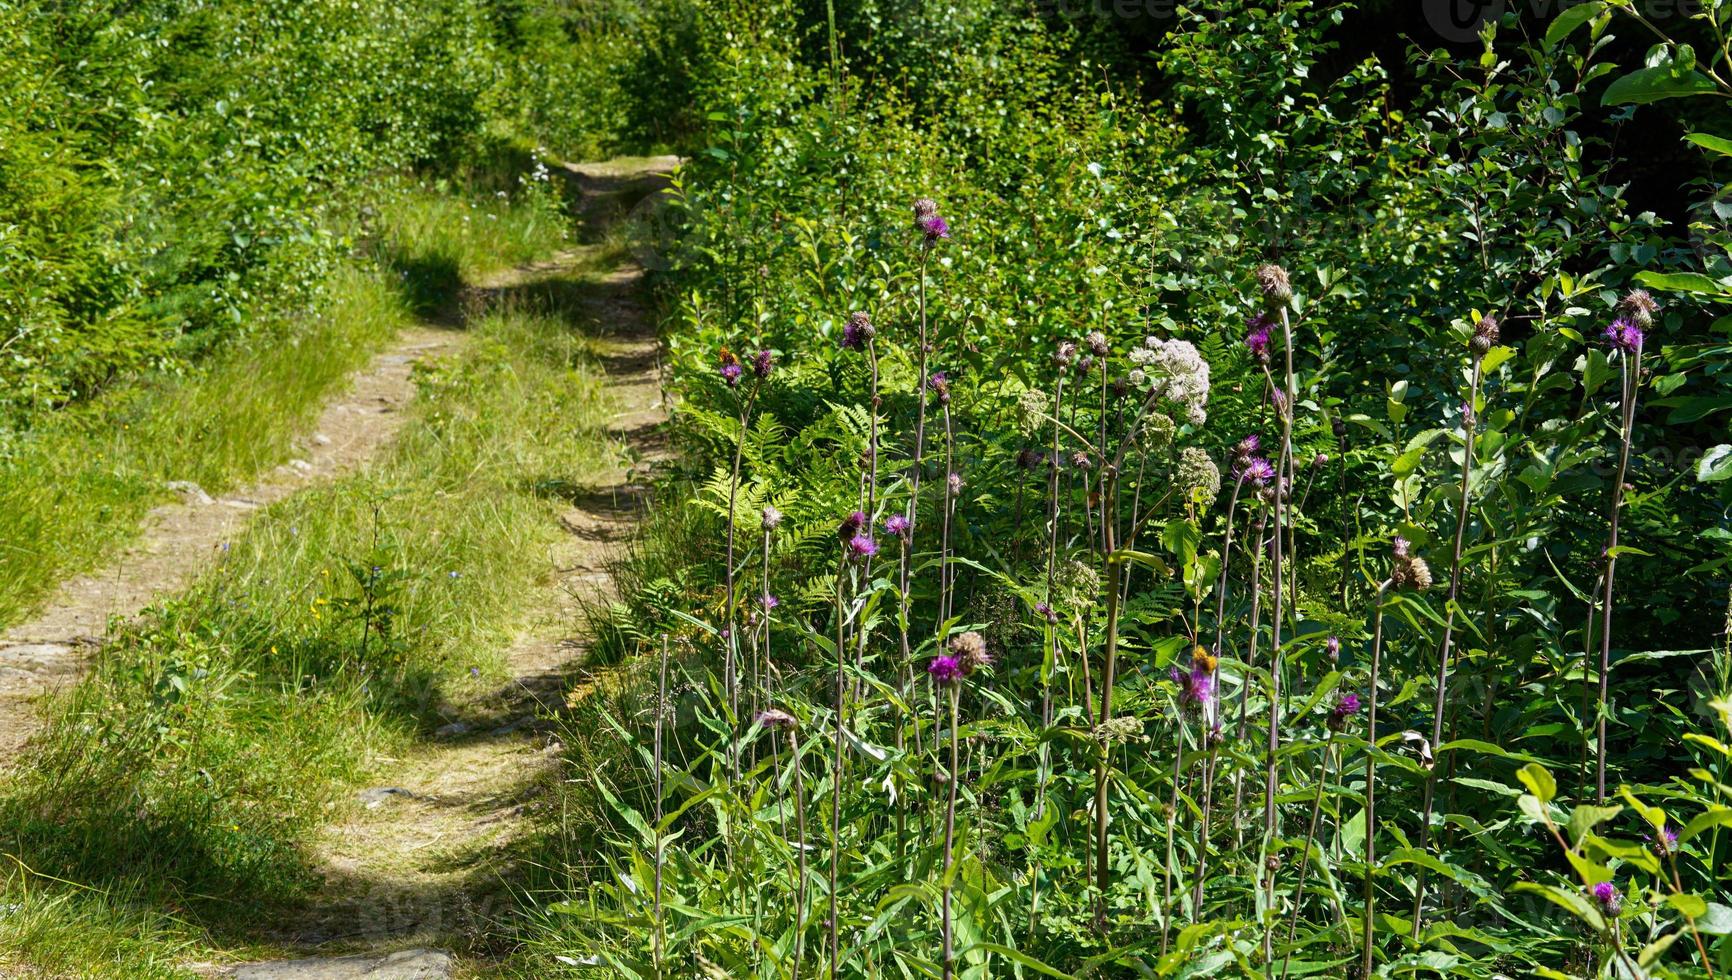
(175, 791)
(74, 488)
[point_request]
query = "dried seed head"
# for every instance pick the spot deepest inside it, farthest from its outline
(925, 207)
(1485, 335)
(1272, 280)
(970, 651)
(777, 718)
(1097, 343)
(772, 518)
(1640, 307)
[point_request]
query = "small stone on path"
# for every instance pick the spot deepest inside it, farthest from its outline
(191, 492)
(408, 964)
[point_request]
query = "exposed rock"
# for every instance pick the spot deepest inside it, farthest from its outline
(191, 492)
(408, 964)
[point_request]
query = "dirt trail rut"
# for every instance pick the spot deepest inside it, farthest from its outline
(179, 539)
(422, 865)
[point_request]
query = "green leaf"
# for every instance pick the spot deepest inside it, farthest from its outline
(1682, 282)
(1645, 85)
(1656, 949)
(1692, 906)
(1495, 358)
(1574, 903)
(1715, 465)
(1718, 817)
(1567, 22)
(1538, 781)
(1585, 817)
(1716, 920)
(1718, 144)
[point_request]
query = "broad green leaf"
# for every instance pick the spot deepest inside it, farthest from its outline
(1715, 920)
(1538, 781)
(1715, 464)
(1717, 817)
(1690, 905)
(1645, 85)
(1571, 18)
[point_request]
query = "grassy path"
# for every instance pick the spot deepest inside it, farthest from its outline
(421, 866)
(179, 539)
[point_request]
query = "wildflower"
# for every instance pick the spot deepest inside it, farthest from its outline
(1485, 334)
(1065, 354)
(939, 382)
(1119, 728)
(1097, 343)
(1196, 687)
(954, 483)
(851, 525)
(777, 718)
(731, 369)
(1046, 611)
(1201, 657)
(1158, 431)
(1029, 459)
(1409, 571)
(1257, 331)
(1080, 580)
(944, 669)
(772, 518)
(1137, 378)
(1198, 474)
(1338, 426)
(857, 331)
(1639, 307)
(1180, 374)
(1272, 280)
(1345, 708)
(970, 651)
(897, 526)
(1606, 895)
(770, 601)
(1248, 446)
(762, 364)
(1255, 469)
(1332, 647)
(862, 546)
(1666, 844)
(1080, 460)
(924, 207)
(1085, 364)
(1278, 401)
(1624, 335)
(934, 227)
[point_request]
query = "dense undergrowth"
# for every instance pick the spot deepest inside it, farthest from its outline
(1106, 495)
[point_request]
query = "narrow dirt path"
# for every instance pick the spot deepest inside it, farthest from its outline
(423, 863)
(179, 539)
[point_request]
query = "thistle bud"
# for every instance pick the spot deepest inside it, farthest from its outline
(1485, 335)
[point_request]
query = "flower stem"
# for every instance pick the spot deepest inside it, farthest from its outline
(1632, 364)
(1371, 777)
(950, 839)
(1444, 648)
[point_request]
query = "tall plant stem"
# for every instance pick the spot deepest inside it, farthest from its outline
(1172, 826)
(1214, 718)
(950, 838)
(1244, 725)
(1371, 777)
(1444, 648)
(945, 587)
(871, 492)
(730, 666)
(836, 777)
(1050, 653)
(910, 510)
(1632, 364)
(661, 705)
(1271, 776)
(800, 820)
(1305, 855)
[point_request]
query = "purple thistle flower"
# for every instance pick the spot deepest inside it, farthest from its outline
(1196, 687)
(1624, 335)
(731, 372)
(851, 525)
(897, 526)
(1257, 331)
(1257, 470)
(954, 483)
(857, 331)
(770, 602)
(1344, 709)
(1667, 842)
(1248, 446)
(933, 226)
(1065, 354)
(1332, 647)
(762, 364)
(1606, 894)
(862, 546)
(1046, 611)
(944, 669)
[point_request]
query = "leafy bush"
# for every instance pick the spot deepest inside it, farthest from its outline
(1166, 767)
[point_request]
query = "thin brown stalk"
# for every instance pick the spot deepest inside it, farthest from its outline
(1632, 376)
